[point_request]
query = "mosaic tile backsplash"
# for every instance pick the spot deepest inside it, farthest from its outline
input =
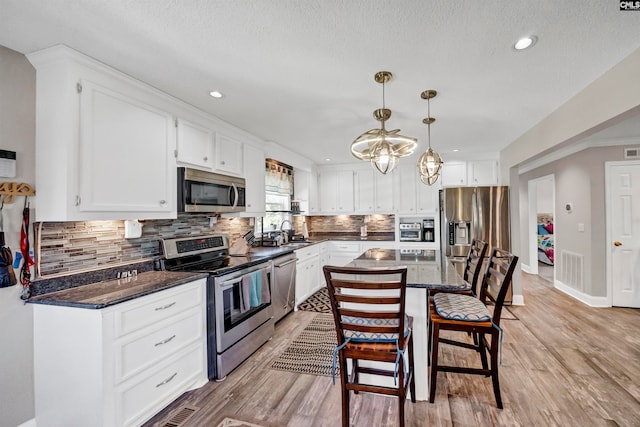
(70, 247)
(67, 247)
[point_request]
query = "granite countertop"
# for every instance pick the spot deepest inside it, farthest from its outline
(426, 268)
(110, 292)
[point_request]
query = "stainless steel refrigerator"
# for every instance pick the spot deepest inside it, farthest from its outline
(468, 213)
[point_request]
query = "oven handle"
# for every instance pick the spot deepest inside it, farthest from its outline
(230, 283)
(285, 263)
(235, 192)
(237, 277)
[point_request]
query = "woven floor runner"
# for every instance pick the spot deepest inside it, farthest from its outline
(312, 351)
(318, 302)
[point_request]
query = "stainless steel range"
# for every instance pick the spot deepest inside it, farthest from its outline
(239, 309)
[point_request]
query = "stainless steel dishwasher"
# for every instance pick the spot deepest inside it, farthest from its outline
(284, 286)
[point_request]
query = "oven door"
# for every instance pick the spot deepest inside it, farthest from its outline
(411, 235)
(242, 303)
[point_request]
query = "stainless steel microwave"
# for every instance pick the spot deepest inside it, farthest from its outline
(201, 191)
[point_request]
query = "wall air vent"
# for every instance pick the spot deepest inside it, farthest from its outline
(632, 153)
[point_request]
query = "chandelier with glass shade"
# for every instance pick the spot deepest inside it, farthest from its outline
(382, 147)
(429, 163)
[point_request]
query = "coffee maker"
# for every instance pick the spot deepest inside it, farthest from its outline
(428, 230)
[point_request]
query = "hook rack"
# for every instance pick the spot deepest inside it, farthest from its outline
(12, 189)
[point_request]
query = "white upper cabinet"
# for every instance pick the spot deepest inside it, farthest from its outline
(373, 192)
(254, 167)
(483, 172)
(125, 152)
(428, 200)
(336, 191)
(228, 155)
(407, 182)
(454, 174)
(195, 144)
(104, 142)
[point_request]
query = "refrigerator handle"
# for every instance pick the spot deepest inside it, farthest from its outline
(475, 223)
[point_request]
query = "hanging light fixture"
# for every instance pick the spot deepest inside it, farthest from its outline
(381, 147)
(429, 163)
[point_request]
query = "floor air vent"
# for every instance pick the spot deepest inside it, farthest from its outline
(181, 416)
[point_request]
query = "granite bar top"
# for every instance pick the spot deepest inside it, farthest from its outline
(110, 292)
(426, 268)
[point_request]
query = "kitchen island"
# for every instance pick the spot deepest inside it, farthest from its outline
(426, 269)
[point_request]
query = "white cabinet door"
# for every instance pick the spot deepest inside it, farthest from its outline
(306, 278)
(428, 198)
(344, 191)
(195, 144)
(228, 155)
(384, 193)
(254, 168)
(323, 259)
(327, 183)
(483, 172)
(407, 180)
(365, 191)
(126, 160)
(314, 202)
(454, 174)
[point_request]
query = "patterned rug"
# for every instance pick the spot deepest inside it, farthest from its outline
(318, 302)
(312, 351)
(232, 422)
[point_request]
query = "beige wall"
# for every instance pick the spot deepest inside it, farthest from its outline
(17, 133)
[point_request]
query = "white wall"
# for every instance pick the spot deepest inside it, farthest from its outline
(544, 196)
(609, 99)
(17, 133)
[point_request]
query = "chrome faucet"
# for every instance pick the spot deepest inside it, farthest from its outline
(285, 236)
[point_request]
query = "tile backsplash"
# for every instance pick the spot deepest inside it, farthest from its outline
(68, 247)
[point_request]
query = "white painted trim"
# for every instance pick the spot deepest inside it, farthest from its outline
(517, 300)
(29, 423)
(582, 297)
(527, 269)
(572, 149)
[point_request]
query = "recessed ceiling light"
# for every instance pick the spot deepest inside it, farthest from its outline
(525, 42)
(455, 150)
(216, 94)
(327, 159)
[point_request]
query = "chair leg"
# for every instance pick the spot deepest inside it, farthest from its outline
(435, 334)
(344, 375)
(495, 343)
(355, 372)
(482, 349)
(412, 383)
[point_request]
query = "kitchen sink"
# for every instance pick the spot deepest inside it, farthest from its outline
(298, 243)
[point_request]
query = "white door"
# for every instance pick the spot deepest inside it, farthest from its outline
(623, 215)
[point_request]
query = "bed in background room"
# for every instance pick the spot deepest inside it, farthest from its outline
(545, 238)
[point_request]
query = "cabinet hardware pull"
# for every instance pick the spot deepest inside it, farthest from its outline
(167, 380)
(164, 341)
(163, 202)
(222, 162)
(617, 243)
(205, 158)
(164, 307)
(78, 200)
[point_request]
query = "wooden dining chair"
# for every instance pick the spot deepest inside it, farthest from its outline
(472, 271)
(459, 312)
(368, 306)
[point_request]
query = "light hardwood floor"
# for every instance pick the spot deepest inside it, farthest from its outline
(563, 364)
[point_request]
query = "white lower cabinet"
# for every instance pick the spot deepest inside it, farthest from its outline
(342, 253)
(120, 365)
(307, 278)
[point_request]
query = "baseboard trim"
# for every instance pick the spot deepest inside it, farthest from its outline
(527, 269)
(29, 423)
(517, 300)
(591, 301)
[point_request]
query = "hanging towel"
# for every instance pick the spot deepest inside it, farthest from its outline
(266, 294)
(255, 289)
(245, 293)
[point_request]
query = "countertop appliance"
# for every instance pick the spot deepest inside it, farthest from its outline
(284, 285)
(201, 191)
(410, 231)
(239, 297)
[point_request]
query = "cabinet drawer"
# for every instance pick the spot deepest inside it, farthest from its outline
(150, 346)
(157, 307)
(345, 246)
(306, 253)
(138, 400)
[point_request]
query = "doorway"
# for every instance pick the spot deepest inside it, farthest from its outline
(541, 227)
(623, 232)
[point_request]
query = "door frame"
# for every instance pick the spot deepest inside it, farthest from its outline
(608, 216)
(532, 225)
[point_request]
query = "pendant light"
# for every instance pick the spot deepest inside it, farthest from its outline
(429, 163)
(381, 147)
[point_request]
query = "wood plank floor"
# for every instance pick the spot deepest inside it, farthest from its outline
(563, 364)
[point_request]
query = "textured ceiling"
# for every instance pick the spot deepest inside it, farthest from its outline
(300, 72)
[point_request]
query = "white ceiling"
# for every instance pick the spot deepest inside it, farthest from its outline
(300, 72)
